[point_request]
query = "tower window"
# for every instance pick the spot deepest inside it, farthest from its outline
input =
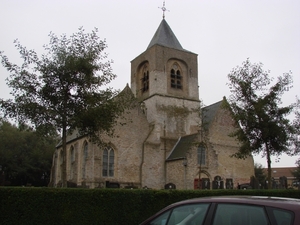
(145, 79)
(176, 78)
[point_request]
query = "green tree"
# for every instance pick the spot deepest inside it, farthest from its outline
(64, 89)
(25, 156)
(296, 123)
(255, 103)
(296, 173)
(259, 174)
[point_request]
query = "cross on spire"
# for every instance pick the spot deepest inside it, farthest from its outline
(163, 9)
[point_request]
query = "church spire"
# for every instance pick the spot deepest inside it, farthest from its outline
(164, 36)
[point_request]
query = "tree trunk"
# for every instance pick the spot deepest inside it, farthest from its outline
(64, 163)
(269, 166)
(64, 138)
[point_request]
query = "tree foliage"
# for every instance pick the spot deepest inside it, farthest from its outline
(259, 173)
(25, 156)
(296, 173)
(64, 89)
(296, 124)
(255, 103)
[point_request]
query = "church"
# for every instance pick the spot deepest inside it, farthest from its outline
(171, 142)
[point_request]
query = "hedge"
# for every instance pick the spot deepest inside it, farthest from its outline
(62, 206)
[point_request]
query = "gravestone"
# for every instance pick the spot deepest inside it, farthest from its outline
(205, 183)
(229, 184)
(170, 186)
(218, 183)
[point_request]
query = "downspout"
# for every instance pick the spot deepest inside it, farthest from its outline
(143, 154)
(165, 154)
(201, 148)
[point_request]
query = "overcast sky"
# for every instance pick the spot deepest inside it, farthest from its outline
(223, 34)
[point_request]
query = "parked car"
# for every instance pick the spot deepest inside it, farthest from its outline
(230, 210)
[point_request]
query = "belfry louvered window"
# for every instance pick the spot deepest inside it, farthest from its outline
(176, 78)
(145, 79)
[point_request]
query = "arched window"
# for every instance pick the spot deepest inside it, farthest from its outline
(145, 79)
(72, 162)
(201, 153)
(61, 158)
(72, 154)
(105, 163)
(108, 162)
(85, 151)
(61, 162)
(84, 159)
(176, 78)
(111, 163)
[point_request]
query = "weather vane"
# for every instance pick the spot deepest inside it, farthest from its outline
(163, 9)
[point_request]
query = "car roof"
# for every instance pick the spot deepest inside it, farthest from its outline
(288, 203)
(291, 204)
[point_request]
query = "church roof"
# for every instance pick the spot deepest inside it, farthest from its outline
(164, 36)
(70, 137)
(209, 113)
(181, 147)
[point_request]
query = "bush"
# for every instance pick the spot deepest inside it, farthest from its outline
(99, 206)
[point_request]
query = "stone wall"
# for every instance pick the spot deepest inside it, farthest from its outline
(127, 144)
(224, 146)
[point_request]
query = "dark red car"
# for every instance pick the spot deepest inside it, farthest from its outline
(230, 210)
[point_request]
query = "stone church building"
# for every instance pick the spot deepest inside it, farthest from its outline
(170, 141)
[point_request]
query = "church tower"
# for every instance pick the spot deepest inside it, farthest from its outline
(165, 79)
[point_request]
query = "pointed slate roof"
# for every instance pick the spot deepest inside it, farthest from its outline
(164, 36)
